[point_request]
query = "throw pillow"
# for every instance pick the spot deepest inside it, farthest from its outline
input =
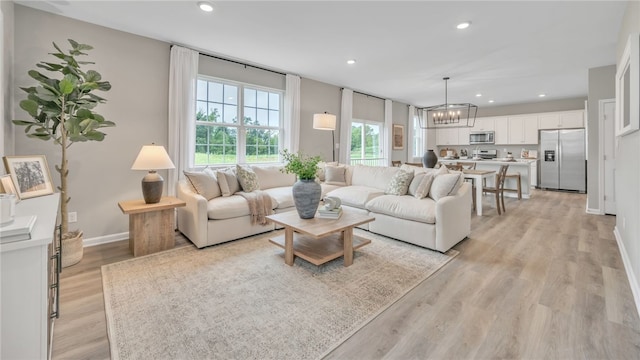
(228, 181)
(335, 175)
(399, 183)
(247, 178)
(444, 185)
(204, 183)
(424, 187)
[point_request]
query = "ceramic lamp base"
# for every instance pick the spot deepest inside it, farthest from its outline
(152, 185)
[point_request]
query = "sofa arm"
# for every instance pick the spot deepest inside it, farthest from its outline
(192, 218)
(453, 218)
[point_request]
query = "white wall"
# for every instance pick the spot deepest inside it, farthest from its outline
(628, 173)
(6, 77)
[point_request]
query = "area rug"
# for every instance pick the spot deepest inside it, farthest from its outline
(240, 301)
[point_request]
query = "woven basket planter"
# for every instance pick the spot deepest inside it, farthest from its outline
(72, 250)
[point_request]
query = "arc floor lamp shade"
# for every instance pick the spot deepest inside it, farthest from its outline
(152, 157)
(326, 121)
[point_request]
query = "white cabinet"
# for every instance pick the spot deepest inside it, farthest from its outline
(484, 124)
(447, 136)
(523, 129)
(501, 130)
(24, 280)
(534, 174)
(463, 136)
(561, 120)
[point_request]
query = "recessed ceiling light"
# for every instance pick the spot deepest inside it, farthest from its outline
(478, 95)
(351, 62)
(205, 6)
(542, 95)
(490, 101)
(463, 25)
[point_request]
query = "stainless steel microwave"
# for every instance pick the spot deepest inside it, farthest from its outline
(481, 137)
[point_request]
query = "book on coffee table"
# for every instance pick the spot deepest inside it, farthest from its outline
(330, 214)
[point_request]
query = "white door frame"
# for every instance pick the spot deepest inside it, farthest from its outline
(601, 152)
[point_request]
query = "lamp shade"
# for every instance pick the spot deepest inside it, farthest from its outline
(324, 121)
(152, 157)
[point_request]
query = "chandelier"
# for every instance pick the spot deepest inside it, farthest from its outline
(448, 115)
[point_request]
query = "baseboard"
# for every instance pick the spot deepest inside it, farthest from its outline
(105, 239)
(633, 282)
(593, 211)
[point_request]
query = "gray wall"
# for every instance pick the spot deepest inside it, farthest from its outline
(317, 97)
(401, 117)
(628, 168)
(137, 67)
(601, 86)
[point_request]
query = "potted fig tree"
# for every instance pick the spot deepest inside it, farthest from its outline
(62, 108)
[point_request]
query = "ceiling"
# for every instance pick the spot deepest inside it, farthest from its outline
(512, 52)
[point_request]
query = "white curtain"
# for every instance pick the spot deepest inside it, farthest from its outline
(346, 113)
(183, 75)
(411, 133)
(387, 142)
(292, 113)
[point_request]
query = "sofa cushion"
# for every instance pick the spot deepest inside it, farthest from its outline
(373, 176)
(228, 181)
(227, 207)
(445, 185)
(335, 175)
(273, 177)
(356, 196)
(321, 166)
(416, 169)
(399, 183)
(247, 178)
(326, 188)
(405, 207)
(281, 197)
(204, 183)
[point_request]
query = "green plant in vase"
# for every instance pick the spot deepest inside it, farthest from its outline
(62, 107)
(306, 191)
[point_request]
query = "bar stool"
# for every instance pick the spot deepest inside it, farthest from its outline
(498, 189)
(518, 188)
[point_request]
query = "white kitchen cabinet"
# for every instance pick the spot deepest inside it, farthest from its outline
(534, 174)
(26, 294)
(561, 120)
(501, 130)
(447, 136)
(463, 136)
(484, 124)
(523, 129)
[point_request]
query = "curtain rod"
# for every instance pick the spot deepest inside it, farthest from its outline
(361, 93)
(239, 63)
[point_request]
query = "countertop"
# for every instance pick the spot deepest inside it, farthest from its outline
(493, 162)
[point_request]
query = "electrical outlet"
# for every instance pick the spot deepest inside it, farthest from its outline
(73, 217)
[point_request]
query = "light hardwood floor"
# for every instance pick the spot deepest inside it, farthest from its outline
(543, 281)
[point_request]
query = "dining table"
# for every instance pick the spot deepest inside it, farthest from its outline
(477, 176)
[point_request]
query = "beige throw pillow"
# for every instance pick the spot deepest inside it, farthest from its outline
(424, 186)
(204, 183)
(399, 183)
(444, 185)
(228, 181)
(247, 178)
(335, 175)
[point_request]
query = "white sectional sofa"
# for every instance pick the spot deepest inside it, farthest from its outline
(210, 218)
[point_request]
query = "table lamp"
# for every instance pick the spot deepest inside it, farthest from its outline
(152, 157)
(326, 122)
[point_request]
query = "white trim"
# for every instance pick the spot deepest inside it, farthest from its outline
(601, 194)
(105, 239)
(633, 282)
(387, 139)
(592, 211)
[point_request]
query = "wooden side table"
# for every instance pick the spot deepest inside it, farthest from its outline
(151, 226)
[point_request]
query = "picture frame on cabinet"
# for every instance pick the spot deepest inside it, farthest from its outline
(30, 174)
(398, 137)
(628, 88)
(7, 186)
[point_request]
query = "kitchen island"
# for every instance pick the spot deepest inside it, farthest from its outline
(521, 166)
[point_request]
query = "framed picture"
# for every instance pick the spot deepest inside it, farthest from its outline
(398, 137)
(7, 187)
(30, 174)
(628, 88)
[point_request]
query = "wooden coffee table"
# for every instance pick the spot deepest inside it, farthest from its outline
(319, 240)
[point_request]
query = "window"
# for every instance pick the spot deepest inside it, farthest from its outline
(221, 138)
(366, 142)
(418, 138)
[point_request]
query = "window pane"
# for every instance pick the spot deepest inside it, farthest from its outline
(372, 141)
(262, 145)
(274, 101)
(263, 117)
(356, 140)
(215, 92)
(230, 114)
(221, 145)
(201, 91)
(230, 94)
(201, 110)
(250, 116)
(263, 99)
(274, 118)
(215, 112)
(249, 97)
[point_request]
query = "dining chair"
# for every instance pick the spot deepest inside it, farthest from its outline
(467, 165)
(414, 164)
(396, 163)
(518, 189)
(498, 189)
(470, 166)
(456, 167)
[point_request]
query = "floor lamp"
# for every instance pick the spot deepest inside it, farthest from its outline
(326, 121)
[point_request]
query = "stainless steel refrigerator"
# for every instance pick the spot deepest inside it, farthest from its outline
(562, 164)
